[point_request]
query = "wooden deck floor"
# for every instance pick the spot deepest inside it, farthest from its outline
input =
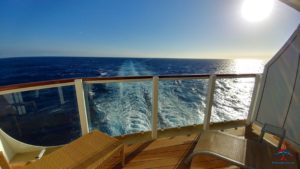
(169, 153)
(162, 153)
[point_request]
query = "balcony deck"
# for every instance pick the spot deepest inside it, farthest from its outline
(170, 152)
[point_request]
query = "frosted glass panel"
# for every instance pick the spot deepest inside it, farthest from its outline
(280, 92)
(292, 124)
(278, 88)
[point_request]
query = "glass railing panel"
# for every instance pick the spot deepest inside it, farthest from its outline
(120, 108)
(41, 117)
(232, 98)
(181, 102)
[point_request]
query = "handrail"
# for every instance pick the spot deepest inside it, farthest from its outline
(88, 79)
(35, 84)
(206, 76)
(118, 78)
(236, 75)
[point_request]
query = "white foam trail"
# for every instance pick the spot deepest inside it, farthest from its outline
(181, 103)
(125, 108)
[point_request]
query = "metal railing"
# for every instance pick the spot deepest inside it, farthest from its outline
(82, 101)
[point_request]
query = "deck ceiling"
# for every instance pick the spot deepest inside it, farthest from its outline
(293, 3)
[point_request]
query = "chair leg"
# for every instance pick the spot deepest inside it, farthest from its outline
(188, 160)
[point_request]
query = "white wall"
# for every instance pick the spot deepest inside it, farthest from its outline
(279, 96)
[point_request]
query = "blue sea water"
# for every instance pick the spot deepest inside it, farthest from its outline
(118, 108)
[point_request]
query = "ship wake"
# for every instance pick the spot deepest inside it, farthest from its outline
(125, 107)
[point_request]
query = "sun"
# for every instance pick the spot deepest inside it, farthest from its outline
(257, 10)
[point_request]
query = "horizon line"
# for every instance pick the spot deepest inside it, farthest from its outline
(128, 57)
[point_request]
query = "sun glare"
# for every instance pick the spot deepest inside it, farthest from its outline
(256, 10)
(247, 65)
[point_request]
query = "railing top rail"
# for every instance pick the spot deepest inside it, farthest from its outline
(236, 75)
(207, 76)
(89, 79)
(35, 84)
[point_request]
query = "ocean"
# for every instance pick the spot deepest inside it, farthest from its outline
(43, 118)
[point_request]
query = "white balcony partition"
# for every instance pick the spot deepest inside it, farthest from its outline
(278, 102)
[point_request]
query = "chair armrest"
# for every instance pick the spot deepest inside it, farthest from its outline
(274, 130)
(40, 155)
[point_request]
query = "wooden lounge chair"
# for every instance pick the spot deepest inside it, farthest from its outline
(93, 150)
(244, 153)
(14, 153)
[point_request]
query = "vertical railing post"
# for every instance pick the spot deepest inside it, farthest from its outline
(253, 99)
(21, 101)
(209, 101)
(37, 94)
(61, 95)
(81, 106)
(87, 89)
(18, 98)
(154, 106)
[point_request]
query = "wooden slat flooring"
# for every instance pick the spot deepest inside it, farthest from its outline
(162, 153)
(169, 153)
(206, 161)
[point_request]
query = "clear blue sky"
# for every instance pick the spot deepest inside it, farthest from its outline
(140, 28)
